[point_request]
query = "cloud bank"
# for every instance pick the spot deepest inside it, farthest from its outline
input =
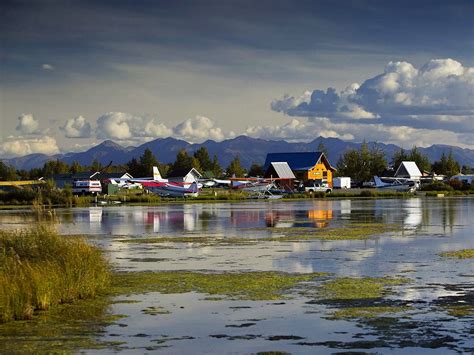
(439, 95)
(19, 146)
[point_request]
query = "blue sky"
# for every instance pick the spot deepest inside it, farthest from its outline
(76, 72)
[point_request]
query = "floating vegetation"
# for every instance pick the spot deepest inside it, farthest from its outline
(354, 231)
(348, 288)
(235, 286)
(65, 328)
(460, 254)
(460, 310)
(155, 310)
(367, 312)
(40, 269)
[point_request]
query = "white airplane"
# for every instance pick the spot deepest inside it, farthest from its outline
(395, 184)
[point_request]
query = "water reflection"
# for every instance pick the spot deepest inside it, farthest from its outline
(226, 218)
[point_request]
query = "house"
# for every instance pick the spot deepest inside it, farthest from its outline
(184, 176)
(305, 165)
(409, 170)
(282, 171)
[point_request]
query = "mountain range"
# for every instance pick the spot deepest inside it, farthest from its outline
(250, 150)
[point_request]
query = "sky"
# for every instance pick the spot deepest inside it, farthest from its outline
(74, 73)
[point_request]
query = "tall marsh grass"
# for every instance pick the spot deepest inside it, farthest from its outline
(40, 269)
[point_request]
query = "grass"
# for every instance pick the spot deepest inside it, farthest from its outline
(40, 269)
(367, 312)
(234, 286)
(460, 254)
(348, 288)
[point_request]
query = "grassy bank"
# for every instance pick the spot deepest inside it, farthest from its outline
(40, 269)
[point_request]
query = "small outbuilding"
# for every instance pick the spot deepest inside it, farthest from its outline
(185, 176)
(409, 170)
(282, 172)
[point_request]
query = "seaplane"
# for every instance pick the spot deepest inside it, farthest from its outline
(163, 187)
(258, 187)
(395, 184)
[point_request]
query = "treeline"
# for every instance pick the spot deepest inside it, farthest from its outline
(366, 162)
(137, 167)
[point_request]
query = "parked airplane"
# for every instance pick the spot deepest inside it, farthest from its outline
(171, 189)
(396, 184)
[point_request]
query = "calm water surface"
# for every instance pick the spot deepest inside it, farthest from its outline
(429, 226)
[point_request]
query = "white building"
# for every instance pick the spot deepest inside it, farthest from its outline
(409, 170)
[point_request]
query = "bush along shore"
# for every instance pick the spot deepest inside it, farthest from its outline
(48, 198)
(40, 269)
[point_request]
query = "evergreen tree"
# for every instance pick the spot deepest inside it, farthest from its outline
(361, 165)
(398, 157)
(256, 170)
(134, 168)
(183, 163)
(421, 160)
(76, 167)
(147, 162)
(202, 156)
(7, 172)
(235, 168)
(215, 167)
(96, 165)
(446, 165)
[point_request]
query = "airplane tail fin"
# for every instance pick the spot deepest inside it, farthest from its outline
(156, 173)
(378, 182)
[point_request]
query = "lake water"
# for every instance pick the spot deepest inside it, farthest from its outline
(428, 226)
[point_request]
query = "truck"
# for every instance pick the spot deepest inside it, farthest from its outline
(317, 187)
(341, 183)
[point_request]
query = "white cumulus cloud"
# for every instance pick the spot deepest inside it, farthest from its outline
(27, 124)
(124, 126)
(441, 87)
(77, 127)
(199, 129)
(19, 146)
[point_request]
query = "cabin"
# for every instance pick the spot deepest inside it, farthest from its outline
(306, 166)
(408, 170)
(184, 176)
(282, 172)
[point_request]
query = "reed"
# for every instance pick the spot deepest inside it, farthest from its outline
(40, 269)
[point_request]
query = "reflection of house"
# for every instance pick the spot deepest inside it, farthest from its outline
(305, 165)
(185, 176)
(409, 170)
(281, 171)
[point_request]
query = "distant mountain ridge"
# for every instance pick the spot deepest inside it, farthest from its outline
(250, 150)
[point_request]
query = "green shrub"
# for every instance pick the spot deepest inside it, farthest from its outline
(39, 269)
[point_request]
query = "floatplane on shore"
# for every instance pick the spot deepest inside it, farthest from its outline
(396, 184)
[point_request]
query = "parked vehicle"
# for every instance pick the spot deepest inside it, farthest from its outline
(341, 183)
(86, 187)
(318, 187)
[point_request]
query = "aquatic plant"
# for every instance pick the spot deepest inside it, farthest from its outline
(367, 312)
(352, 288)
(260, 285)
(460, 254)
(40, 269)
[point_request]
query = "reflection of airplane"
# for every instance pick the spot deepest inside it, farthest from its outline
(395, 184)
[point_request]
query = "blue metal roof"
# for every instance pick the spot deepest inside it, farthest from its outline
(296, 161)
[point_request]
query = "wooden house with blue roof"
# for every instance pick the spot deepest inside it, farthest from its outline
(305, 165)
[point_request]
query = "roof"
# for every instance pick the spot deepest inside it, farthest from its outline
(410, 167)
(283, 170)
(296, 161)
